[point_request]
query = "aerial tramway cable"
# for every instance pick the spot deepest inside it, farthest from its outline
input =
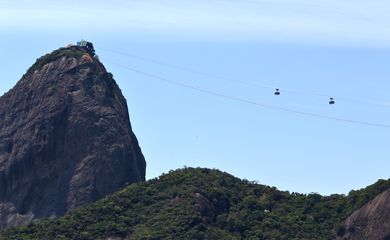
(237, 99)
(365, 100)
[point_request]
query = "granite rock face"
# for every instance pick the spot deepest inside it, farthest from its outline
(372, 221)
(65, 138)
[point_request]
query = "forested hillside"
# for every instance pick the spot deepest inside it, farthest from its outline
(204, 204)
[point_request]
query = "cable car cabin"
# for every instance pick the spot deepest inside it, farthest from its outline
(87, 45)
(331, 101)
(277, 92)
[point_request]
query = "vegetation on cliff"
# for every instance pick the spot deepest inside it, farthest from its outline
(56, 54)
(204, 204)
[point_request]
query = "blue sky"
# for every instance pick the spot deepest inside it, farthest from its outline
(327, 21)
(330, 48)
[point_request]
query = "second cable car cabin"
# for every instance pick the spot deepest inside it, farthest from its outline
(87, 45)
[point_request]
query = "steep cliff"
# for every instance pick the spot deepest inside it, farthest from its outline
(65, 138)
(372, 221)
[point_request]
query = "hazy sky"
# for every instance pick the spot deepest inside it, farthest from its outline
(337, 21)
(310, 49)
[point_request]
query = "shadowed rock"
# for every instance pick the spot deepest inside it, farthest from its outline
(204, 207)
(65, 138)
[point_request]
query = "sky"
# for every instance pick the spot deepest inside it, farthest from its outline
(222, 60)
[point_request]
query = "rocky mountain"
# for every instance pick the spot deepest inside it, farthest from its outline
(197, 203)
(66, 141)
(65, 138)
(371, 221)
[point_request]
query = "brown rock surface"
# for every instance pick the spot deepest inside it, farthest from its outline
(65, 138)
(372, 221)
(204, 207)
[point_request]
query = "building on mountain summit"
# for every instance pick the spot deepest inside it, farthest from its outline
(87, 45)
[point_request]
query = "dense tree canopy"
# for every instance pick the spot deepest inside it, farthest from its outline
(196, 203)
